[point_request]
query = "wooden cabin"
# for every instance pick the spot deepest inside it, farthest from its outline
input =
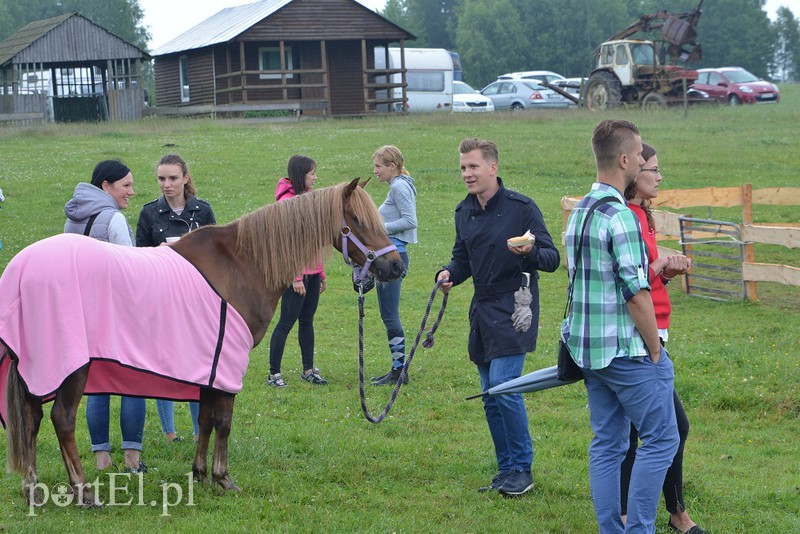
(68, 68)
(308, 56)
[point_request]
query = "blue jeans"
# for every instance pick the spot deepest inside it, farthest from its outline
(389, 304)
(640, 392)
(166, 412)
(131, 421)
(506, 415)
(296, 308)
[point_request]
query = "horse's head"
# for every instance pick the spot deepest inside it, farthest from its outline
(364, 239)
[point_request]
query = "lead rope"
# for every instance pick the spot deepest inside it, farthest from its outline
(428, 343)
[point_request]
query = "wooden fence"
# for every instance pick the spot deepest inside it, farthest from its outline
(785, 234)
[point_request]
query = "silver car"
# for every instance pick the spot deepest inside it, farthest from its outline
(521, 94)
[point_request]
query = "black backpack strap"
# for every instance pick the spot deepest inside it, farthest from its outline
(89, 224)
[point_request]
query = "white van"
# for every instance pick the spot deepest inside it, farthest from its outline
(429, 78)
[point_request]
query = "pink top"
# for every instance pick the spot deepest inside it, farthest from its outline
(145, 318)
(285, 191)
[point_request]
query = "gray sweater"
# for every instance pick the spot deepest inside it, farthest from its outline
(399, 210)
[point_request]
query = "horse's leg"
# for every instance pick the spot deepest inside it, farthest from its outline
(24, 414)
(200, 465)
(223, 415)
(63, 414)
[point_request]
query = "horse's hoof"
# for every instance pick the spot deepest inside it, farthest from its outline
(89, 500)
(33, 497)
(228, 485)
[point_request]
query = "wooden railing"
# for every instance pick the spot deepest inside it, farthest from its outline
(784, 234)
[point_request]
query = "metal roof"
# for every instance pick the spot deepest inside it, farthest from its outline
(27, 35)
(222, 27)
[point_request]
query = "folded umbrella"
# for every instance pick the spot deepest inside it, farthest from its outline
(523, 315)
(536, 381)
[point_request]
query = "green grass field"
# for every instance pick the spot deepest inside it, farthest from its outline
(305, 457)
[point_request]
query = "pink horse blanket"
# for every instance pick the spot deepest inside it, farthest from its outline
(145, 319)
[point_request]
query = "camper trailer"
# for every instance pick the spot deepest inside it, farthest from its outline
(429, 78)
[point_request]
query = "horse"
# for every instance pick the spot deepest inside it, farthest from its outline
(243, 266)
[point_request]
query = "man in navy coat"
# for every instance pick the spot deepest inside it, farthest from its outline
(488, 216)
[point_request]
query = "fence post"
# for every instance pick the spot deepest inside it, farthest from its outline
(749, 249)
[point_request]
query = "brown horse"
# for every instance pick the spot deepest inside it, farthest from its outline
(247, 263)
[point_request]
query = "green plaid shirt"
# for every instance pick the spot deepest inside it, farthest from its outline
(613, 268)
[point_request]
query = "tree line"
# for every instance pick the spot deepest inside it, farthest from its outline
(497, 36)
(123, 18)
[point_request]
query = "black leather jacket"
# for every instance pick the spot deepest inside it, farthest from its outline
(157, 221)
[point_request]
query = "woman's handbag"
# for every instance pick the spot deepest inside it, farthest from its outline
(568, 370)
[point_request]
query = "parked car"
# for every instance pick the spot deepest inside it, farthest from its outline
(570, 85)
(540, 75)
(735, 85)
(523, 94)
(465, 98)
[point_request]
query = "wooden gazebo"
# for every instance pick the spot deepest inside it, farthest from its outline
(68, 68)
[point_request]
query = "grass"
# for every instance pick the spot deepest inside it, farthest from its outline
(305, 457)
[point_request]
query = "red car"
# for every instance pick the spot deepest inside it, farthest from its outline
(734, 85)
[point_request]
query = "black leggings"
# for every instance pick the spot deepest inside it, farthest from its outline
(301, 309)
(673, 482)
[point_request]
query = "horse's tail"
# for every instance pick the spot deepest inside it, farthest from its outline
(16, 422)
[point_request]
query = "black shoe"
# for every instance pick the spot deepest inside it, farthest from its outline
(376, 378)
(694, 530)
(390, 378)
(516, 483)
(496, 482)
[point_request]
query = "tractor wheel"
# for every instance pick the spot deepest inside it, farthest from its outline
(654, 100)
(603, 91)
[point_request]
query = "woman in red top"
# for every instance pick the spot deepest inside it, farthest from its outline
(299, 301)
(662, 270)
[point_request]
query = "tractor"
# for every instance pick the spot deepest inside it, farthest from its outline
(644, 72)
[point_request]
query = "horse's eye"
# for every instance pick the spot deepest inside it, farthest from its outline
(356, 222)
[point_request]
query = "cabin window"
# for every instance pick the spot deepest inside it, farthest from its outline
(269, 58)
(428, 82)
(184, 72)
(607, 55)
(622, 55)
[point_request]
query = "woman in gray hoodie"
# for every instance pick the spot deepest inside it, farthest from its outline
(94, 210)
(399, 212)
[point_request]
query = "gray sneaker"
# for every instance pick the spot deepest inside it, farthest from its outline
(516, 483)
(276, 381)
(313, 377)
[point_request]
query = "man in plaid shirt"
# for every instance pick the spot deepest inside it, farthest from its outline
(611, 333)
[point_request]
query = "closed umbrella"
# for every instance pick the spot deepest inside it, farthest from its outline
(536, 381)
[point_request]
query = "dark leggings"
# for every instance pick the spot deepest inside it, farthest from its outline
(301, 309)
(673, 482)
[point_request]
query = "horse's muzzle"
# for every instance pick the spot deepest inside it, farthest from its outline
(389, 267)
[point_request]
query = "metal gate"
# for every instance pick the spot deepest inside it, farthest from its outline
(717, 254)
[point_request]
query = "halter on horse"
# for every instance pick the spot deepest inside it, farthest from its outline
(247, 263)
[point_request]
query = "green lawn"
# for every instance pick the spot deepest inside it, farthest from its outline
(305, 457)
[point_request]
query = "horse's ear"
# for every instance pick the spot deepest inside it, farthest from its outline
(351, 187)
(363, 185)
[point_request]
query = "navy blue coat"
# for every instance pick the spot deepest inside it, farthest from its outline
(480, 252)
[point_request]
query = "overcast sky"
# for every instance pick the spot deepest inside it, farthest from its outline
(166, 19)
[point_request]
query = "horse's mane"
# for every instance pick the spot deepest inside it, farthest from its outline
(284, 237)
